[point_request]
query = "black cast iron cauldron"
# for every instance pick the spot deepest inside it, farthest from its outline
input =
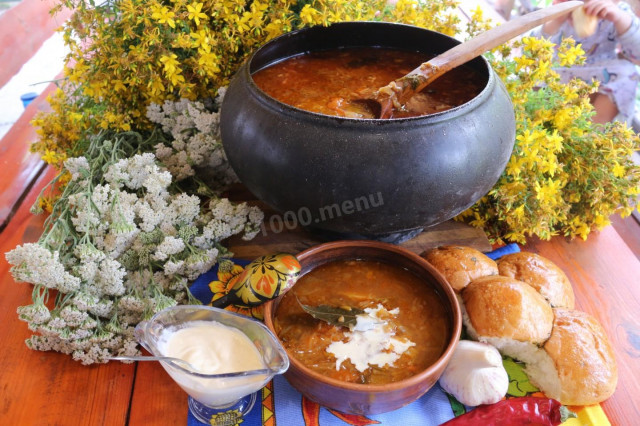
(360, 177)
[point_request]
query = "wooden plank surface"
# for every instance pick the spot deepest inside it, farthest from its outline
(51, 389)
(298, 239)
(605, 275)
(47, 388)
(157, 400)
(279, 234)
(629, 230)
(19, 166)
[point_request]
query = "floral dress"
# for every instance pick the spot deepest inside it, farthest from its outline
(607, 62)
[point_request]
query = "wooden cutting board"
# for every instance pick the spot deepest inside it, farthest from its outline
(298, 238)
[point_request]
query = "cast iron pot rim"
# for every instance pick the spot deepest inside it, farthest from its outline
(435, 117)
(444, 358)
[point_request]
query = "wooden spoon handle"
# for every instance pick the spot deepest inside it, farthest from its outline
(399, 91)
(494, 37)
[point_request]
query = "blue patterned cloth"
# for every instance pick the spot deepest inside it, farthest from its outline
(433, 408)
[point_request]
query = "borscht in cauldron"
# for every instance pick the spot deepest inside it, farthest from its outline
(326, 81)
(426, 169)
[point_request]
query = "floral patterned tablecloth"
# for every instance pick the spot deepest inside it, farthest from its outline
(281, 404)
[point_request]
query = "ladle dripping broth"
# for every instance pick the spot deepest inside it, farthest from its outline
(326, 81)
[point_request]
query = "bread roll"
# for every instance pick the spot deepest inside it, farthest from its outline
(460, 265)
(540, 273)
(502, 310)
(578, 366)
(584, 25)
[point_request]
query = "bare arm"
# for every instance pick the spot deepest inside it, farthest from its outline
(551, 27)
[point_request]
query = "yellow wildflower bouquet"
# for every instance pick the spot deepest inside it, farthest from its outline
(566, 176)
(126, 54)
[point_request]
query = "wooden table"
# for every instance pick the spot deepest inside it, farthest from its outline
(42, 388)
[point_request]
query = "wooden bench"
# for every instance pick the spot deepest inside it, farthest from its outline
(23, 29)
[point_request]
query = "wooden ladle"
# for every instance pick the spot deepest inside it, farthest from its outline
(397, 93)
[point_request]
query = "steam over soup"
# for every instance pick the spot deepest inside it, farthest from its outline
(398, 306)
(325, 81)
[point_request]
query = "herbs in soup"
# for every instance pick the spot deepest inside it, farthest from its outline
(326, 81)
(404, 328)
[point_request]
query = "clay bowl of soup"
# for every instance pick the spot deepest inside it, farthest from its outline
(402, 340)
(364, 177)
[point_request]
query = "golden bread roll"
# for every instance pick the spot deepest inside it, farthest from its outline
(460, 265)
(584, 25)
(581, 367)
(540, 273)
(506, 309)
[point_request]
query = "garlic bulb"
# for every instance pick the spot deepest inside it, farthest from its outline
(475, 375)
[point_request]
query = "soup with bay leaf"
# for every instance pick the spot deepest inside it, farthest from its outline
(326, 81)
(408, 312)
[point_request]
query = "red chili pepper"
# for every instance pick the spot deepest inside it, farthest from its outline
(515, 411)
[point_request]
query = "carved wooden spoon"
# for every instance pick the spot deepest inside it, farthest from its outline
(395, 94)
(266, 278)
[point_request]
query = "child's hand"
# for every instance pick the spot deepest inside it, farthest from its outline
(608, 10)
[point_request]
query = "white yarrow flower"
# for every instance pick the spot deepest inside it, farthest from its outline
(169, 246)
(128, 242)
(37, 265)
(77, 167)
(109, 279)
